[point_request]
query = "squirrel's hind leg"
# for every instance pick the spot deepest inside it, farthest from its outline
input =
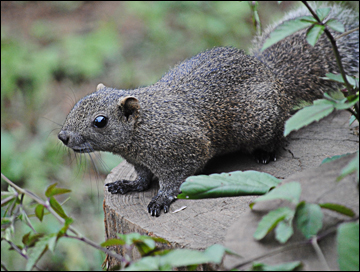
(262, 156)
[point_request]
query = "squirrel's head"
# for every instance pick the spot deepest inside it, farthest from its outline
(101, 121)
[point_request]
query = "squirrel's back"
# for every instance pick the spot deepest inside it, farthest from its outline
(218, 101)
(301, 65)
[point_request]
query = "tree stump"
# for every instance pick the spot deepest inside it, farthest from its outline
(205, 222)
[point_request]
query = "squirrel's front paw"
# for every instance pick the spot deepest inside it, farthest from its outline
(160, 201)
(119, 187)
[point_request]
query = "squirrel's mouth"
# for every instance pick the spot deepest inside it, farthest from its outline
(82, 150)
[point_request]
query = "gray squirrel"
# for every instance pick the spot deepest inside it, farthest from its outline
(216, 102)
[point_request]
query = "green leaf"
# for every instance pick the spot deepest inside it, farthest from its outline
(352, 119)
(289, 191)
(59, 191)
(314, 33)
(307, 115)
(146, 264)
(345, 104)
(351, 167)
(67, 223)
(57, 207)
(49, 189)
(184, 257)
(269, 221)
(334, 77)
(284, 229)
(113, 242)
(179, 257)
(30, 240)
(143, 243)
(348, 246)
(35, 253)
(336, 25)
(308, 218)
(144, 246)
(215, 253)
(333, 158)
(322, 13)
(133, 237)
(278, 267)
(39, 211)
(286, 29)
(23, 217)
(159, 240)
(130, 237)
(227, 184)
(52, 242)
(338, 208)
(338, 78)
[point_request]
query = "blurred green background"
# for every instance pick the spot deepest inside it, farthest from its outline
(54, 53)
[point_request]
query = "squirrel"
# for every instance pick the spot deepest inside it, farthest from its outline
(216, 102)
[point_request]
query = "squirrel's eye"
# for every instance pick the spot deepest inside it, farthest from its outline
(100, 121)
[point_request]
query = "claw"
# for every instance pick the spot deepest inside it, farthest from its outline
(264, 157)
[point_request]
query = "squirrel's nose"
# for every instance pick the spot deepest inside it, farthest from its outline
(64, 137)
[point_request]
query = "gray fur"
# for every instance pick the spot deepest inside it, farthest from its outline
(218, 101)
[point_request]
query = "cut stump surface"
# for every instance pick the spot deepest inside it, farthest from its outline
(206, 221)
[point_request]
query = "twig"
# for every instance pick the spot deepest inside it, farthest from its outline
(46, 204)
(337, 56)
(319, 253)
(294, 245)
(273, 252)
(61, 220)
(18, 250)
(334, 46)
(95, 245)
(347, 32)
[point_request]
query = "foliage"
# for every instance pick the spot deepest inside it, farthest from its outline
(280, 267)
(307, 216)
(31, 67)
(180, 258)
(348, 246)
(55, 52)
(227, 184)
(35, 244)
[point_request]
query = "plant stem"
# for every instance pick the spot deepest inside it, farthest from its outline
(350, 89)
(47, 206)
(95, 245)
(294, 245)
(347, 33)
(335, 49)
(319, 253)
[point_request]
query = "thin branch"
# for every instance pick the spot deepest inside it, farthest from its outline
(93, 244)
(347, 33)
(18, 250)
(272, 252)
(335, 49)
(319, 253)
(353, 113)
(46, 204)
(60, 219)
(295, 244)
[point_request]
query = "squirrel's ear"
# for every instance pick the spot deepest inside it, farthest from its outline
(100, 86)
(129, 106)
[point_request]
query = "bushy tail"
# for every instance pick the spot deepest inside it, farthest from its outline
(300, 66)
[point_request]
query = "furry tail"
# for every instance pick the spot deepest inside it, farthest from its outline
(300, 66)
